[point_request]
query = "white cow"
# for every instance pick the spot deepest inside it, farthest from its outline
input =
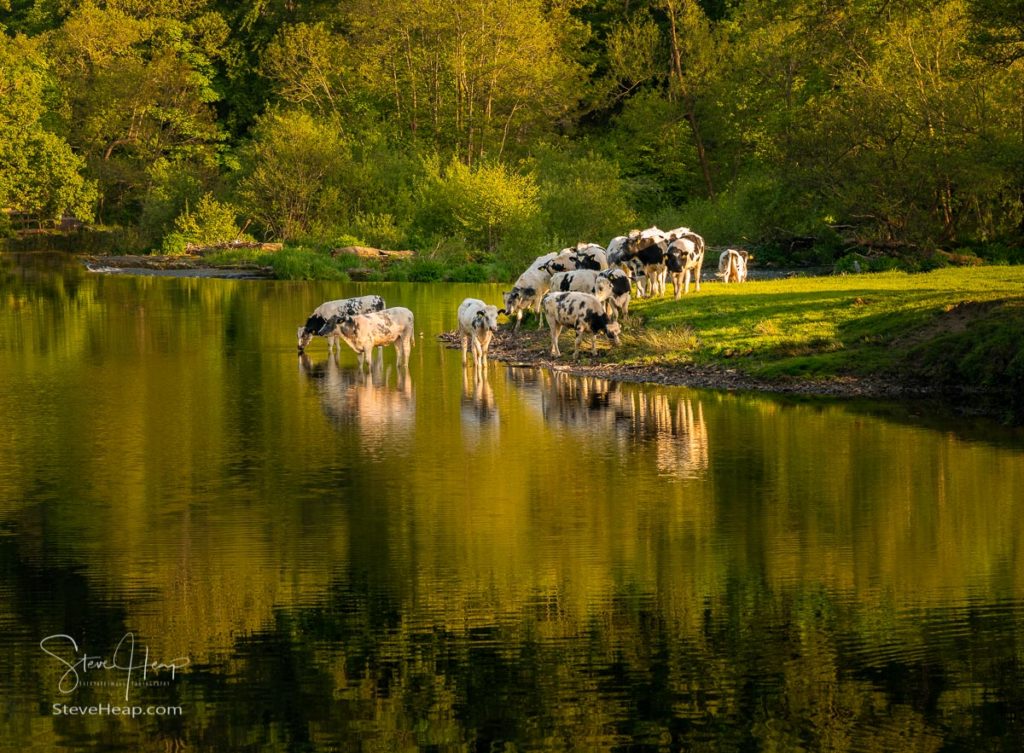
(477, 322)
(732, 265)
(581, 312)
(526, 294)
(316, 324)
(364, 332)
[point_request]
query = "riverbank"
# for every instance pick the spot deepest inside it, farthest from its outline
(953, 333)
(957, 334)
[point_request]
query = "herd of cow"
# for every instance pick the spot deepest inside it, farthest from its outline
(585, 288)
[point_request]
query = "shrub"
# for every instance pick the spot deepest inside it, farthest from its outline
(212, 223)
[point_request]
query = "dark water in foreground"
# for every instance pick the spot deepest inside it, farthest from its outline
(440, 563)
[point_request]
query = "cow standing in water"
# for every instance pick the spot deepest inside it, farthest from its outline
(364, 332)
(478, 323)
(340, 308)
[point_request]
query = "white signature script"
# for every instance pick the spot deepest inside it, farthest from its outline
(122, 659)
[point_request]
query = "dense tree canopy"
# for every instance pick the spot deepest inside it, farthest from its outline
(510, 127)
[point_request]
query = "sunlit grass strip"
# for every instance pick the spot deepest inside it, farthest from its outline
(821, 326)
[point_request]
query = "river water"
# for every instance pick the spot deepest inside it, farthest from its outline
(309, 559)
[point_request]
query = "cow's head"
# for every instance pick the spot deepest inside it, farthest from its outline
(348, 325)
(674, 260)
(328, 326)
(486, 319)
(512, 300)
(305, 336)
(613, 330)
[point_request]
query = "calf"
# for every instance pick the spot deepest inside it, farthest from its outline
(732, 265)
(526, 294)
(688, 258)
(581, 312)
(316, 324)
(364, 332)
(477, 322)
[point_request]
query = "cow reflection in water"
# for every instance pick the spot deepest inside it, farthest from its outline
(478, 410)
(670, 420)
(379, 403)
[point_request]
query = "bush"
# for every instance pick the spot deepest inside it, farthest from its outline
(212, 223)
(482, 204)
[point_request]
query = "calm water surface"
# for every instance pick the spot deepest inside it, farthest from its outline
(440, 562)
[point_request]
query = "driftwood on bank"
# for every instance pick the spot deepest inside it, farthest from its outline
(368, 252)
(192, 250)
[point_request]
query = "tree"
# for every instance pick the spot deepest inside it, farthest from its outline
(469, 76)
(138, 90)
(306, 63)
(39, 173)
(294, 173)
(482, 202)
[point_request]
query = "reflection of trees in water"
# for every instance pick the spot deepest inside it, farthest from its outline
(380, 402)
(760, 668)
(670, 421)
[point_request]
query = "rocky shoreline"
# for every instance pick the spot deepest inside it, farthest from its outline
(531, 350)
(172, 266)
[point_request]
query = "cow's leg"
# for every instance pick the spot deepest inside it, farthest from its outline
(464, 341)
(696, 273)
(576, 345)
(540, 314)
(556, 330)
(519, 320)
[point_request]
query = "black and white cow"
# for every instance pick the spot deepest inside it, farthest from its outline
(364, 332)
(317, 321)
(621, 290)
(616, 250)
(650, 248)
(526, 294)
(686, 257)
(590, 256)
(583, 281)
(477, 322)
(564, 261)
(581, 312)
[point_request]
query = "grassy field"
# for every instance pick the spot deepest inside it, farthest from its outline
(952, 329)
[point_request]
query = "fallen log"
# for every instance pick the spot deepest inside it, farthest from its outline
(368, 252)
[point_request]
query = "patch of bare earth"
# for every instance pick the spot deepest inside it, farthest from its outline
(954, 319)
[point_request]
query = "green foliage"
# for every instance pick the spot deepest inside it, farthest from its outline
(295, 173)
(39, 173)
(306, 63)
(490, 132)
(582, 197)
(212, 223)
(300, 263)
(483, 203)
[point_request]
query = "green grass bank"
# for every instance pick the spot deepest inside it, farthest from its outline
(957, 334)
(956, 331)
